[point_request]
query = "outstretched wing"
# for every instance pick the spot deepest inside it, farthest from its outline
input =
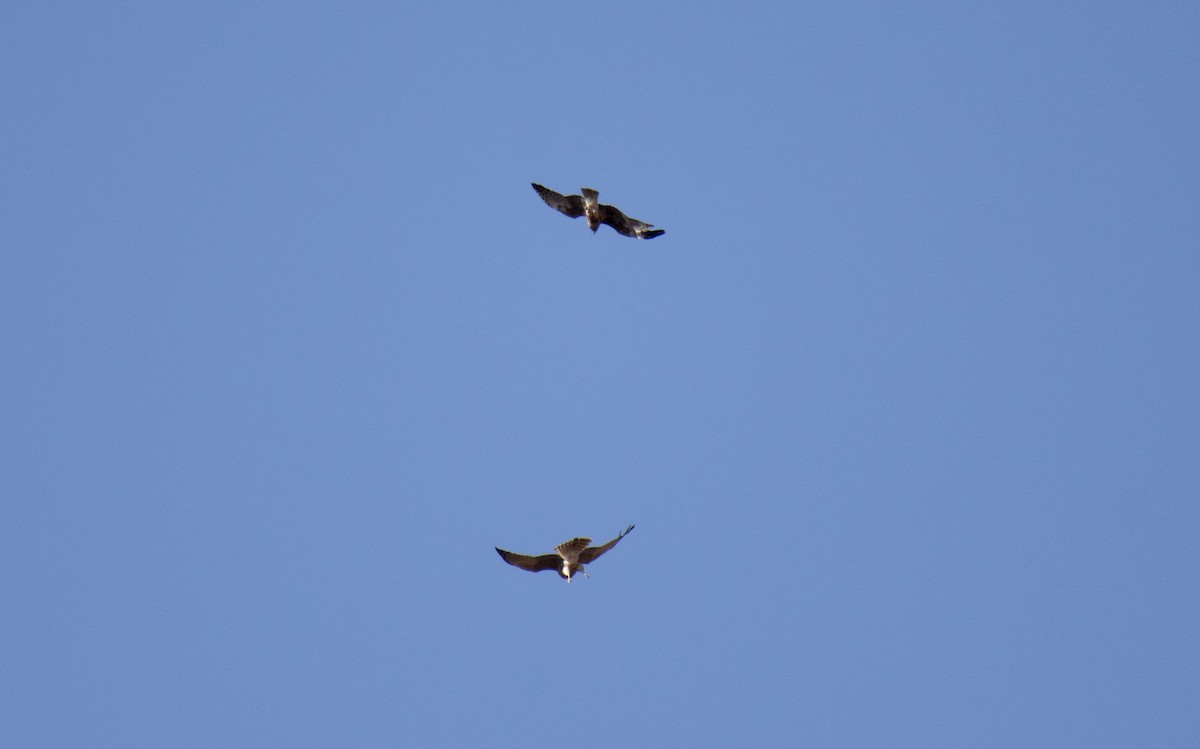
(590, 555)
(570, 205)
(533, 564)
(630, 227)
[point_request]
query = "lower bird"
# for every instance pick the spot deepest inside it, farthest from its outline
(568, 560)
(589, 205)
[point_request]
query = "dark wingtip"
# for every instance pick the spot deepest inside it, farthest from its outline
(653, 234)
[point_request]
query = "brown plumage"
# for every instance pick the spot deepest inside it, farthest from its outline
(568, 559)
(596, 212)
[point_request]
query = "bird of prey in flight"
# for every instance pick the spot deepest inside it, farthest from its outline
(597, 213)
(569, 558)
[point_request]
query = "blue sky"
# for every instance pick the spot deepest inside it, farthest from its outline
(905, 404)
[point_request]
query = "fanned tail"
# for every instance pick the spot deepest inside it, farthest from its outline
(570, 549)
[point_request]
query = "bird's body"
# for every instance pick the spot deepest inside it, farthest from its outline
(568, 559)
(597, 213)
(591, 208)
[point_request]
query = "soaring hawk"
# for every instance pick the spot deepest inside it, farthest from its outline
(597, 213)
(569, 559)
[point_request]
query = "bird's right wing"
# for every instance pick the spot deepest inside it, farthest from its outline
(627, 225)
(533, 564)
(590, 555)
(570, 205)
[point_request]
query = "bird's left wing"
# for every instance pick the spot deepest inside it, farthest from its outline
(570, 205)
(590, 555)
(533, 564)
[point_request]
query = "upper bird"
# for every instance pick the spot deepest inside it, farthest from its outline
(569, 559)
(589, 205)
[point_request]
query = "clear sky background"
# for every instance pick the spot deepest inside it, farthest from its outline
(905, 404)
